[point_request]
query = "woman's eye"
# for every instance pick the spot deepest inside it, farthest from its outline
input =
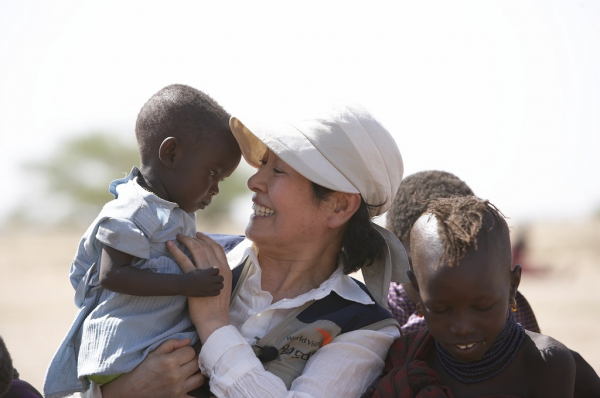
(484, 308)
(213, 173)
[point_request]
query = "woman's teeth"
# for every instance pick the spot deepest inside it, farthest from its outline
(464, 347)
(262, 211)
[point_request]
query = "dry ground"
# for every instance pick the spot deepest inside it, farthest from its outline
(36, 298)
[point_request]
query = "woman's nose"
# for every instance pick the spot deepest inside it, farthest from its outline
(255, 182)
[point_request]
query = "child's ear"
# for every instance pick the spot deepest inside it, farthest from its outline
(515, 280)
(169, 152)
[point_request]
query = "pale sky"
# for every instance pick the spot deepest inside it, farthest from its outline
(504, 94)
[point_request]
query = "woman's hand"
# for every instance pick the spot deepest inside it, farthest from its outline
(207, 313)
(169, 371)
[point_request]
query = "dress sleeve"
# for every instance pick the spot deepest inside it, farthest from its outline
(123, 235)
(344, 368)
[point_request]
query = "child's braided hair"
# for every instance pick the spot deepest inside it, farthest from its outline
(460, 219)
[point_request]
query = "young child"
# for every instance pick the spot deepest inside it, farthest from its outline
(410, 202)
(130, 291)
(472, 346)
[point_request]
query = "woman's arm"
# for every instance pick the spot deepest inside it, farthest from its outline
(343, 368)
(207, 313)
(169, 371)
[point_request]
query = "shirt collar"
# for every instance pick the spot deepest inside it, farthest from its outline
(338, 282)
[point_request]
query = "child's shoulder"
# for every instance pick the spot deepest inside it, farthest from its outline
(552, 365)
(548, 347)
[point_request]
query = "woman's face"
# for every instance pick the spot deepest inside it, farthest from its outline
(286, 212)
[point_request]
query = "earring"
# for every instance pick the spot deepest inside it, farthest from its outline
(513, 305)
(419, 312)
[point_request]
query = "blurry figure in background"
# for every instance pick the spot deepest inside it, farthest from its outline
(10, 384)
(472, 345)
(410, 202)
(520, 254)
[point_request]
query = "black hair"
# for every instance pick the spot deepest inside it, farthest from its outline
(361, 243)
(460, 220)
(412, 196)
(178, 111)
(6, 368)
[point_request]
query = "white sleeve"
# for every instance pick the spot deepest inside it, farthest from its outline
(344, 368)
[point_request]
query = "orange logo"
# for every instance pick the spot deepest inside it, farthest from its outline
(326, 337)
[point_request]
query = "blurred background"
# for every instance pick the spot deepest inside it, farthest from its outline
(504, 94)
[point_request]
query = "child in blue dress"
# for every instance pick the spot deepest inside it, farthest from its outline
(132, 295)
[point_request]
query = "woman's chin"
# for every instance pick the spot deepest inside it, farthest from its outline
(253, 231)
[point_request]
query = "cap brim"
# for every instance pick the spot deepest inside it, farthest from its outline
(252, 148)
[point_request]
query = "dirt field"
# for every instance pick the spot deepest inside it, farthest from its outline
(36, 298)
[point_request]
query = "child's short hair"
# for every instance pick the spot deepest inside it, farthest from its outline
(6, 368)
(460, 220)
(178, 111)
(414, 192)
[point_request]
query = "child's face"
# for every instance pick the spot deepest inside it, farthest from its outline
(465, 307)
(199, 172)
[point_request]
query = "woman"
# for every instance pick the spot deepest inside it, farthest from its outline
(296, 323)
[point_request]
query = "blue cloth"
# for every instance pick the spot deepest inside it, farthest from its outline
(112, 332)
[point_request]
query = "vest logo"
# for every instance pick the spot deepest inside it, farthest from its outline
(326, 337)
(301, 347)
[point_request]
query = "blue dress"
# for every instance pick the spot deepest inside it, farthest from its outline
(113, 332)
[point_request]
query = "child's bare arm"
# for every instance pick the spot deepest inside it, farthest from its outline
(117, 275)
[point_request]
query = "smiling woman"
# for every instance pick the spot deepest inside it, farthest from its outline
(290, 321)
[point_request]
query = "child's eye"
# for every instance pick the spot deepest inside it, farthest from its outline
(277, 171)
(213, 173)
(484, 308)
(438, 311)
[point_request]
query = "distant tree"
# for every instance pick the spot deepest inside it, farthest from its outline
(76, 176)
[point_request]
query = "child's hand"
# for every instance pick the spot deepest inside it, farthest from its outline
(202, 283)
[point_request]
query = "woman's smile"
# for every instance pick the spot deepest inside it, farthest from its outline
(262, 211)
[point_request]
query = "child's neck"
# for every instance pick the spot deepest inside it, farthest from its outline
(149, 180)
(499, 356)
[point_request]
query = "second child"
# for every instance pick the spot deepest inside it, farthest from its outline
(472, 345)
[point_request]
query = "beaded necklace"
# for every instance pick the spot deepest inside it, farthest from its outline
(498, 357)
